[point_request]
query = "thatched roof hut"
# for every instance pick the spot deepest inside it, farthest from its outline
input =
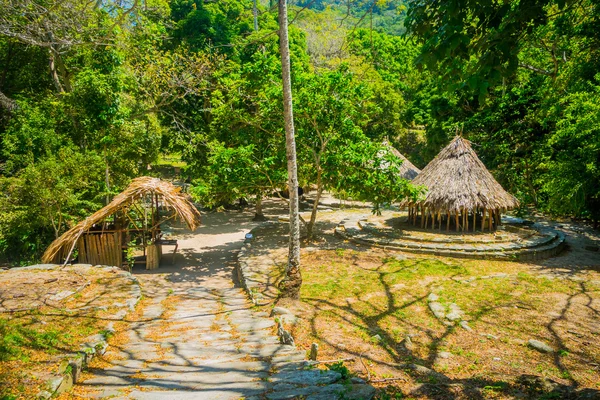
(458, 184)
(110, 225)
(407, 169)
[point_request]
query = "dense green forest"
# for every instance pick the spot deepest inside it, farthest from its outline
(94, 94)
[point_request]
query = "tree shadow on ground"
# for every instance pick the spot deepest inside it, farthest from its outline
(433, 383)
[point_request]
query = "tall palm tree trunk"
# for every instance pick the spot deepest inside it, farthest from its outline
(290, 286)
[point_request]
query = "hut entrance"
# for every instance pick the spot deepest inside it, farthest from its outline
(129, 225)
(459, 221)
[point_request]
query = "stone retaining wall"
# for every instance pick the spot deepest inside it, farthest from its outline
(549, 246)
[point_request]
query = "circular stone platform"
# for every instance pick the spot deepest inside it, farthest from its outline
(510, 242)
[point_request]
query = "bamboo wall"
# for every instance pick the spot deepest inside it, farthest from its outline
(99, 248)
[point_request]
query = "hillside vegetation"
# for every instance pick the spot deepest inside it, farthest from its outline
(93, 95)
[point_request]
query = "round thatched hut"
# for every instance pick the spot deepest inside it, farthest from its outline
(460, 192)
(407, 169)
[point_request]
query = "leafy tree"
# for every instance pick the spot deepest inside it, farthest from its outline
(44, 198)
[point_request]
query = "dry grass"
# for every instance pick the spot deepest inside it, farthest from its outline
(366, 303)
(33, 342)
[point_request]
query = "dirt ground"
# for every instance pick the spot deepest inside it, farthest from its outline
(371, 307)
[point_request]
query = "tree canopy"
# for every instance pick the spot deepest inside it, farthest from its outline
(92, 95)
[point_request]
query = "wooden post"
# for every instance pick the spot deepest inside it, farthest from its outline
(457, 223)
(482, 219)
(490, 219)
(474, 220)
(466, 221)
(440, 219)
(497, 214)
(423, 216)
(426, 218)
(448, 221)
(464, 218)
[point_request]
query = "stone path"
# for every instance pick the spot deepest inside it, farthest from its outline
(198, 336)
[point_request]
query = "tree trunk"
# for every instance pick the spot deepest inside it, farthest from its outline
(290, 286)
(313, 214)
(255, 12)
(107, 177)
(54, 73)
(258, 215)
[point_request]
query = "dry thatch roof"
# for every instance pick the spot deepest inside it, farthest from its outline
(457, 180)
(172, 198)
(407, 169)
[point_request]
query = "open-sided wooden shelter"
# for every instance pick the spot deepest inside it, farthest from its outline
(132, 219)
(460, 191)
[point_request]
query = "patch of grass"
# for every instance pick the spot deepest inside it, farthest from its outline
(16, 339)
(353, 295)
(340, 368)
(173, 159)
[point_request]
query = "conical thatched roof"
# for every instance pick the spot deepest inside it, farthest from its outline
(407, 169)
(457, 180)
(172, 198)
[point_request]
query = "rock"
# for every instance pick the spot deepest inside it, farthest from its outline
(497, 359)
(360, 392)
(437, 309)
(465, 326)
(307, 377)
(280, 311)
(288, 319)
(433, 297)
(44, 394)
(489, 336)
(376, 338)
(540, 346)
(284, 336)
(314, 350)
(455, 313)
(444, 354)
(61, 295)
(408, 343)
(357, 380)
(280, 387)
(421, 370)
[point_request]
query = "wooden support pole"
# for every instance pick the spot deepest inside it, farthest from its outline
(482, 219)
(497, 214)
(426, 218)
(448, 221)
(422, 216)
(490, 219)
(474, 218)
(466, 221)
(440, 219)
(457, 223)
